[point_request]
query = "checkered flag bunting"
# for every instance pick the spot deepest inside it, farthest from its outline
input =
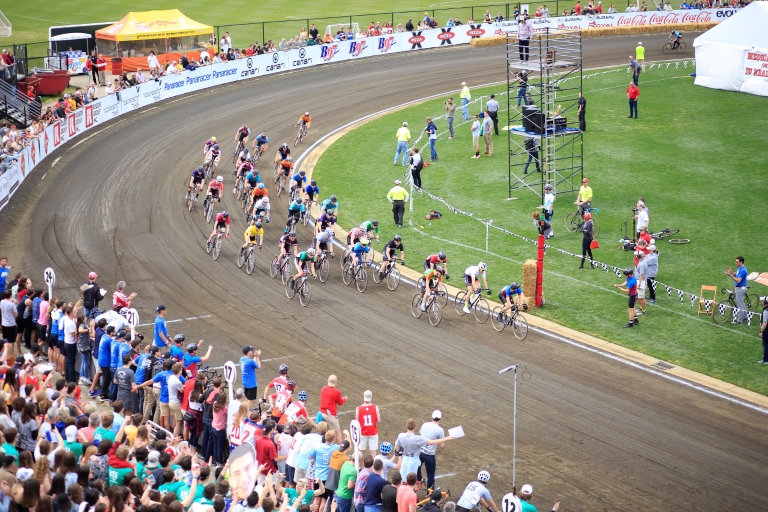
(669, 291)
(706, 305)
(693, 299)
(617, 271)
(749, 317)
(680, 294)
(653, 286)
(605, 267)
(721, 309)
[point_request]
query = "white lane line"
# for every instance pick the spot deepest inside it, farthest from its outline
(55, 162)
(444, 476)
(178, 320)
(275, 359)
(95, 134)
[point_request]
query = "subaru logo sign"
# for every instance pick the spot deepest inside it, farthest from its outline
(302, 53)
(250, 63)
(275, 57)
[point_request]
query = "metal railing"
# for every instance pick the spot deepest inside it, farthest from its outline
(16, 106)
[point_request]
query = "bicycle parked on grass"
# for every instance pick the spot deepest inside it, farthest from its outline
(725, 309)
(513, 318)
(357, 272)
(666, 233)
(433, 309)
(574, 221)
(247, 256)
(390, 271)
(301, 288)
(214, 244)
(478, 304)
(281, 265)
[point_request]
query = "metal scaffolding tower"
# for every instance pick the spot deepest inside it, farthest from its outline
(545, 134)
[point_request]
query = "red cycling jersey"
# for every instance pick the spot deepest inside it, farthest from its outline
(435, 259)
(220, 218)
(215, 185)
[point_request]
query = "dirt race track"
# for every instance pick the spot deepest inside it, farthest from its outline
(594, 432)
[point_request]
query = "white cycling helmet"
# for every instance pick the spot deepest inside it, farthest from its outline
(219, 178)
(266, 199)
(484, 476)
(482, 266)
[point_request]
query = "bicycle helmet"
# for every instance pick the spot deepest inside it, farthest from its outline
(192, 347)
(514, 286)
(547, 187)
(291, 385)
(364, 241)
(441, 255)
(283, 368)
(440, 270)
(261, 185)
(313, 183)
(178, 338)
(215, 147)
(482, 266)
(303, 395)
(263, 134)
(213, 139)
(329, 211)
(333, 199)
(299, 200)
(285, 144)
(397, 238)
(200, 168)
(219, 178)
(258, 224)
(225, 214)
(122, 333)
(302, 172)
(587, 216)
(249, 160)
(289, 158)
(329, 232)
(484, 476)
(266, 200)
(628, 271)
(375, 222)
(311, 251)
(385, 447)
(292, 234)
(306, 113)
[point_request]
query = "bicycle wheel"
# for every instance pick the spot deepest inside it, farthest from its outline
(498, 319)
(241, 255)
(296, 140)
(681, 48)
(209, 211)
(416, 306)
(482, 310)
(679, 241)
(251, 261)
(285, 270)
(290, 287)
(393, 279)
(325, 268)
(441, 295)
(435, 313)
(520, 326)
(376, 269)
(666, 48)
(458, 303)
(344, 258)
(305, 294)
(274, 268)
(572, 221)
(361, 279)
(347, 274)
(208, 246)
(217, 249)
(595, 227)
(722, 313)
(668, 232)
(753, 303)
(305, 219)
(190, 201)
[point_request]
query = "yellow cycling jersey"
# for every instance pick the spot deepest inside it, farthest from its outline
(251, 233)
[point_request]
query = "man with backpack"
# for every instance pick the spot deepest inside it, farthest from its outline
(206, 445)
(416, 166)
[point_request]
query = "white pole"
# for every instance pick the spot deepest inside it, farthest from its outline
(411, 199)
(487, 233)
(513, 368)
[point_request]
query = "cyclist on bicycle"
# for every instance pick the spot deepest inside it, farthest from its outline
(261, 209)
(331, 204)
(477, 494)
(260, 143)
(325, 220)
(324, 241)
(287, 242)
(510, 296)
(242, 135)
(472, 276)
(297, 411)
(310, 191)
(254, 231)
(252, 180)
(302, 261)
(282, 152)
(242, 170)
(359, 249)
(295, 209)
(298, 180)
(305, 120)
(210, 142)
(285, 170)
(584, 199)
(354, 235)
(371, 227)
(390, 252)
(259, 192)
(196, 181)
(429, 281)
(222, 222)
(213, 156)
(435, 260)
(675, 37)
(215, 187)
(242, 157)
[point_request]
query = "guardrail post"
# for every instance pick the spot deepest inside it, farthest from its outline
(263, 38)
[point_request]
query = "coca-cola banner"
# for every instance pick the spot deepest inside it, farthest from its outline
(622, 19)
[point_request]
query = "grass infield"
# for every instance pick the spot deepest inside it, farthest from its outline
(697, 156)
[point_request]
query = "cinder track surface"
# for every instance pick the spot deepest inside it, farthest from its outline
(593, 432)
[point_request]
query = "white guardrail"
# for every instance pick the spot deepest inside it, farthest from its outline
(110, 107)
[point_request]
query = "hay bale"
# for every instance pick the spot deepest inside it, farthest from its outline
(488, 41)
(529, 282)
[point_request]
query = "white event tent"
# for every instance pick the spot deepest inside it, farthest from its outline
(733, 55)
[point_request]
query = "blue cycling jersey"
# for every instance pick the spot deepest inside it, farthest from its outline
(253, 178)
(328, 205)
(508, 291)
(297, 207)
(262, 140)
(309, 189)
(359, 248)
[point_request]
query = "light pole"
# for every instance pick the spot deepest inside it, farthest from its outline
(513, 368)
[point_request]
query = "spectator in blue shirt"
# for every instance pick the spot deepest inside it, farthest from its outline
(105, 360)
(249, 363)
(740, 285)
(4, 270)
(161, 329)
(162, 378)
(176, 351)
(119, 348)
(143, 369)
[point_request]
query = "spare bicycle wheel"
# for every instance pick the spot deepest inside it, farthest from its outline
(679, 241)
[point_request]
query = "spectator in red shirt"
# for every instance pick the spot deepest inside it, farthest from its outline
(119, 299)
(266, 452)
(632, 93)
(577, 8)
(330, 397)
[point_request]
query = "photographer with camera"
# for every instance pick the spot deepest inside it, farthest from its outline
(522, 79)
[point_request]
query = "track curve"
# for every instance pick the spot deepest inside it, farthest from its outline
(591, 431)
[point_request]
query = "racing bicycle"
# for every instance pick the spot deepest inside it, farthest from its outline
(214, 244)
(301, 288)
(208, 211)
(257, 154)
(476, 302)
(423, 498)
(669, 47)
(240, 148)
(281, 265)
(574, 221)
(189, 197)
(357, 272)
(440, 291)
(433, 309)
(208, 169)
(280, 180)
(322, 266)
(302, 133)
(512, 318)
(725, 309)
(666, 233)
(248, 256)
(390, 271)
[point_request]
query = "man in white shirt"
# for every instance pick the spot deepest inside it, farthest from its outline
(641, 214)
(235, 399)
(226, 42)
(70, 343)
(431, 431)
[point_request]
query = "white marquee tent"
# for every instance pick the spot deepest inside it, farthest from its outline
(733, 55)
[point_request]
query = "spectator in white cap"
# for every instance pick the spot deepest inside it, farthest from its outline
(526, 494)
(410, 444)
(70, 441)
(368, 416)
(432, 431)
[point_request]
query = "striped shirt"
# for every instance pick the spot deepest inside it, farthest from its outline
(120, 300)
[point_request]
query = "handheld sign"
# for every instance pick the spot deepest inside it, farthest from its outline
(510, 503)
(132, 316)
(230, 372)
(354, 435)
(50, 279)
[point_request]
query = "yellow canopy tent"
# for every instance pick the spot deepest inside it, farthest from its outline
(167, 33)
